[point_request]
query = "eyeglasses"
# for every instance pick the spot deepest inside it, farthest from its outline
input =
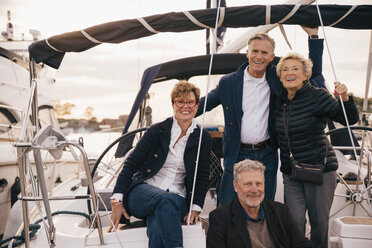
(180, 103)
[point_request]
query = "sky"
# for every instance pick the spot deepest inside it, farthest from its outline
(107, 77)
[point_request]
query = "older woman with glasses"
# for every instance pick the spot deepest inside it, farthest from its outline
(300, 122)
(156, 181)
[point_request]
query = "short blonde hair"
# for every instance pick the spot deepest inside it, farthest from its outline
(246, 165)
(183, 88)
(262, 36)
(307, 64)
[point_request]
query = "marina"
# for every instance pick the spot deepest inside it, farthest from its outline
(76, 212)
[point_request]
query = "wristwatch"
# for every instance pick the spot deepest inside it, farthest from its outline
(313, 37)
(115, 202)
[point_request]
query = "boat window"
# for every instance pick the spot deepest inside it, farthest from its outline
(214, 118)
(6, 119)
(161, 106)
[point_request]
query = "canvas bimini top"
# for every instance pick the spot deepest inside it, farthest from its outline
(52, 50)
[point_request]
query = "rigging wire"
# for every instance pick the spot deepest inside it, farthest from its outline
(111, 222)
(203, 115)
(342, 103)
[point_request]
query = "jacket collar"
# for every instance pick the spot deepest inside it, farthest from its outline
(272, 79)
(165, 132)
(238, 90)
(240, 222)
(304, 89)
(300, 92)
(272, 221)
(193, 139)
(165, 135)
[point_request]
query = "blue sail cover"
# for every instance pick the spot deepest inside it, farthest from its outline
(52, 50)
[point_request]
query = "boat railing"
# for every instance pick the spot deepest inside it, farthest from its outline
(54, 142)
(361, 192)
(11, 108)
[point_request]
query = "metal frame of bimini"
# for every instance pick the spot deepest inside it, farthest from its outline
(51, 51)
(54, 142)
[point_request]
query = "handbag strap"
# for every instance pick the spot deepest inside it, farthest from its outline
(285, 124)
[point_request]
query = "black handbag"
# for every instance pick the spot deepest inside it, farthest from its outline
(311, 173)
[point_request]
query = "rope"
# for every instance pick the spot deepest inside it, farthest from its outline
(55, 49)
(90, 37)
(284, 35)
(66, 212)
(112, 223)
(194, 20)
(268, 14)
(20, 238)
(35, 227)
(146, 25)
(334, 74)
(289, 15)
(344, 16)
(220, 17)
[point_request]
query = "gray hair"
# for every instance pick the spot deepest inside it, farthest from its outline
(307, 64)
(246, 165)
(262, 36)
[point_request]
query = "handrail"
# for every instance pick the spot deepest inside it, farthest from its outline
(349, 148)
(352, 128)
(37, 144)
(11, 108)
(124, 136)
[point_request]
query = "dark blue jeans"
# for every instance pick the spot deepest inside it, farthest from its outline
(265, 156)
(163, 212)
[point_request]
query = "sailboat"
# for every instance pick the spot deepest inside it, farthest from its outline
(14, 92)
(75, 223)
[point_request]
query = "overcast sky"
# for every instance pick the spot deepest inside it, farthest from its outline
(107, 76)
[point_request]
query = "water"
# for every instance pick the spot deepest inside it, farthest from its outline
(95, 143)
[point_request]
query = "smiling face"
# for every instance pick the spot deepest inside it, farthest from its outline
(185, 113)
(292, 74)
(260, 54)
(250, 188)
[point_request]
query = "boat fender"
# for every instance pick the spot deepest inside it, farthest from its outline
(15, 190)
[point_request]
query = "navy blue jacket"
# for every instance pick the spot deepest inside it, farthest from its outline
(307, 115)
(228, 227)
(150, 154)
(229, 93)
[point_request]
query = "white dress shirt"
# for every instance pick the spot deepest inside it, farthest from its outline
(255, 105)
(171, 176)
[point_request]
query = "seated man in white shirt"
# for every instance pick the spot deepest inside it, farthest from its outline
(156, 181)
